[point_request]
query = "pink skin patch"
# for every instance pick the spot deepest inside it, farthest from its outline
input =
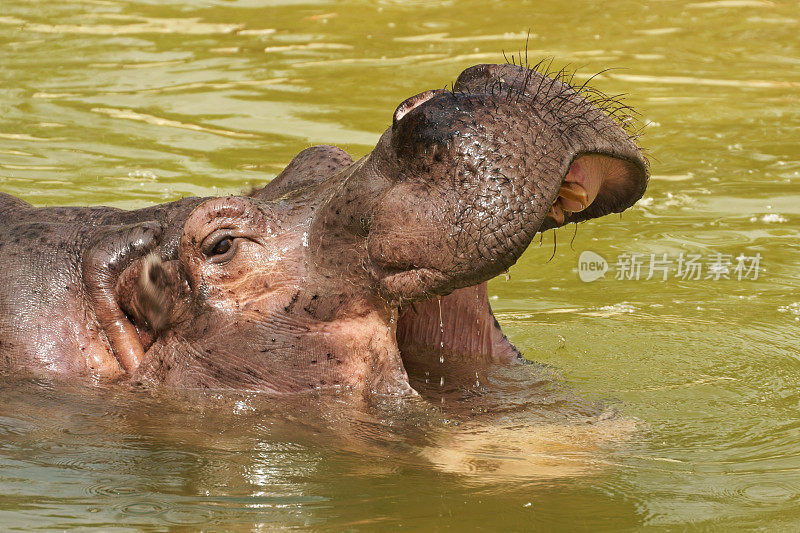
(583, 181)
(582, 184)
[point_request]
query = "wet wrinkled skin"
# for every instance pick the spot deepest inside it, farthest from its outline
(337, 273)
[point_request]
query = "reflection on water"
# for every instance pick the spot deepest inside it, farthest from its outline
(76, 455)
(675, 403)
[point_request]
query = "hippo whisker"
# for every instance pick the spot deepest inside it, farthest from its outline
(574, 234)
(555, 233)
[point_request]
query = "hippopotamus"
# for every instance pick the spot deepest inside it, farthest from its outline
(337, 273)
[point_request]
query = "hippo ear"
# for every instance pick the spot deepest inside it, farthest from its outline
(148, 291)
(107, 258)
(152, 292)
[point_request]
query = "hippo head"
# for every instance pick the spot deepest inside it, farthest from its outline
(350, 274)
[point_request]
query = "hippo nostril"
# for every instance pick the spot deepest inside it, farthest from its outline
(410, 103)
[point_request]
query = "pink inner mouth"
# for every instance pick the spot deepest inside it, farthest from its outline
(580, 186)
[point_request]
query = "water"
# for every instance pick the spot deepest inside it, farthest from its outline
(132, 103)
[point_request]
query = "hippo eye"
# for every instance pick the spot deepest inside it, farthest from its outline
(220, 247)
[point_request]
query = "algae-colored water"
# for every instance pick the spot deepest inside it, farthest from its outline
(132, 103)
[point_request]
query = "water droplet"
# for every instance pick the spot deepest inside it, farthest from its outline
(441, 326)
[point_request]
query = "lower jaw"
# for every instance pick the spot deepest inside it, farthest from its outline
(452, 337)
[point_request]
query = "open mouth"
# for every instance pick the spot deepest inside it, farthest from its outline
(595, 185)
(449, 341)
(579, 188)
